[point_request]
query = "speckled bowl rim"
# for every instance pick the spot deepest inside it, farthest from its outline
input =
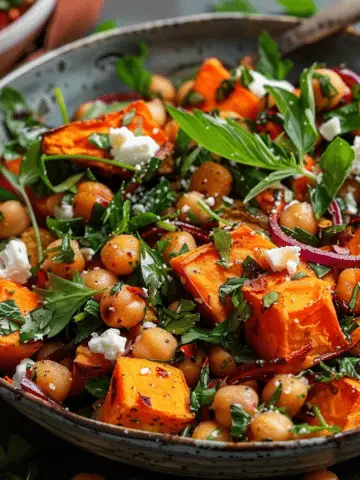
(122, 432)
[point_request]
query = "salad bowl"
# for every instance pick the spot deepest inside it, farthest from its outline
(84, 71)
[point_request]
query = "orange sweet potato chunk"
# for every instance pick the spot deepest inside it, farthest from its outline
(202, 276)
(338, 401)
(241, 101)
(11, 350)
(72, 139)
(303, 317)
(354, 244)
(148, 396)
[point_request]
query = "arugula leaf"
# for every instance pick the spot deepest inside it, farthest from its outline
(131, 71)
(100, 140)
(98, 387)
(269, 299)
(320, 270)
(229, 140)
(223, 241)
(239, 421)
(234, 6)
(270, 180)
(202, 395)
(270, 63)
(303, 8)
(180, 321)
(336, 163)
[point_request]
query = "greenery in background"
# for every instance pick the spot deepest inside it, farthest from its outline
(297, 8)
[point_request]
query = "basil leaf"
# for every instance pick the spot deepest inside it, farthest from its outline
(320, 270)
(229, 140)
(270, 63)
(303, 8)
(98, 387)
(131, 71)
(234, 6)
(239, 421)
(223, 241)
(269, 180)
(269, 299)
(100, 140)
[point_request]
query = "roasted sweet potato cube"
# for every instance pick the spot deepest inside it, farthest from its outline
(202, 276)
(303, 315)
(241, 101)
(208, 79)
(148, 396)
(338, 401)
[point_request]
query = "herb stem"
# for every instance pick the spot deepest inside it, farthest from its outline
(49, 158)
(34, 223)
(61, 102)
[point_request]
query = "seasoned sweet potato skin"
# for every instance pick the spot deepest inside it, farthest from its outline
(148, 396)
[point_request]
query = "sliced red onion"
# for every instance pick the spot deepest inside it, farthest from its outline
(119, 97)
(336, 214)
(311, 254)
(29, 386)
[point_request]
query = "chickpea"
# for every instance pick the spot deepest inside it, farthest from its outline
(121, 254)
(241, 395)
(209, 430)
(299, 215)
(271, 426)
(221, 362)
(88, 194)
(47, 349)
(252, 384)
(53, 379)
(189, 203)
(122, 309)
(88, 476)
(98, 279)
(293, 394)
(177, 241)
(321, 101)
(321, 475)
(162, 87)
(14, 219)
(172, 129)
(28, 237)
(158, 111)
(63, 270)
(347, 281)
(51, 202)
(155, 344)
(183, 91)
(191, 368)
(212, 179)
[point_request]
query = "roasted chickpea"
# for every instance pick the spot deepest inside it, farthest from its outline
(321, 475)
(51, 203)
(123, 309)
(270, 426)
(299, 215)
(14, 219)
(172, 129)
(158, 111)
(121, 254)
(47, 349)
(155, 344)
(177, 241)
(252, 384)
(90, 193)
(221, 362)
(241, 395)
(189, 203)
(98, 279)
(53, 379)
(183, 91)
(347, 281)
(212, 179)
(63, 270)
(163, 88)
(28, 237)
(338, 86)
(293, 394)
(88, 476)
(209, 430)
(191, 368)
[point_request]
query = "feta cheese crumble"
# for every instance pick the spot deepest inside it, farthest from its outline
(144, 371)
(64, 211)
(147, 325)
(20, 371)
(331, 129)
(356, 148)
(87, 253)
(110, 344)
(127, 148)
(350, 204)
(14, 262)
(283, 258)
(257, 86)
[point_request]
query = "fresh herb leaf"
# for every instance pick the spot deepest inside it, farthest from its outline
(192, 99)
(320, 270)
(61, 102)
(239, 421)
(270, 63)
(275, 397)
(29, 170)
(299, 276)
(303, 8)
(211, 214)
(10, 311)
(37, 324)
(180, 321)
(348, 325)
(337, 369)
(269, 299)
(7, 195)
(142, 220)
(354, 296)
(98, 387)
(349, 116)
(65, 252)
(214, 434)
(100, 140)
(202, 395)
(131, 71)
(234, 6)
(327, 88)
(156, 199)
(189, 160)
(270, 180)
(302, 236)
(305, 428)
(231, 288)
(105, 26)
(223, 241)
(99, 108)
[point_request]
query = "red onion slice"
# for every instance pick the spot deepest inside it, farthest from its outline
(336, 214)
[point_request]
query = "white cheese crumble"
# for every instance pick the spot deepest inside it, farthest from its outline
(350, 204)
(144, 371)
(210, 201)
(64, 211)
(110, 344)
(127, 148)
(52, 386)
(20, 371)
(147, 325)
(331, 129)
(356, 148)
(87, 253)
(257, 86)
(283, 258)
(14, 262)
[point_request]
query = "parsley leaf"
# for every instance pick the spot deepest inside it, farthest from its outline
(354, 296)
(320, 270)
(156, 199)
(37, 324)
(98, 387)
(202, 395)
(269, 299)
(232, 287)
(302, 236)
(270, 180)
(223, 241)
(270, 63)
(305, 428)
(234, 6)
(131, 71)
(303, 8)
(180, 321)
(239, 421)
(10, 311)
(65, 252)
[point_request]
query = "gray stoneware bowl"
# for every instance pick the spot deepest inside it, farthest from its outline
(85, 70)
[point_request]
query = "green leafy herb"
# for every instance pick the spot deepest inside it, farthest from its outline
(269, 299)
(270, 180)
(239, 421)
(98, 387)
(231, 288)
(349, 116)
(225, 89)
(192, 99)
(100, 140)
(156, 199)
(354, 296)
(131, 71)
(348, 325)
(189, 160)
(105, 26)
(275, 397)
(327, 88)
(10, 311)
(180, 321)
(305, 428)
(211, 214)
(299, 276)
(37, 324)
(270, 63)
(202, 395)
(142, 220)
(302, 236)
(337, 369)
(129, 117)
(65, 252)
(234, 6)
(303, 8)
(61, 102)
(101, 108)
(7, 195)
(223, 241)
(214, 434)
(320, 270)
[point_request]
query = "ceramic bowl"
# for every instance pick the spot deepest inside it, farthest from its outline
(85, 70)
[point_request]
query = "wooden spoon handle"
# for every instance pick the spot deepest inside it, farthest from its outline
(325, 23)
